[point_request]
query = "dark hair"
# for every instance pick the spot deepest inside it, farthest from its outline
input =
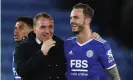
(42, 14)
(87, 10)
(27, 20)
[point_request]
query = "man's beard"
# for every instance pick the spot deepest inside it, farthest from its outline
(80, 28)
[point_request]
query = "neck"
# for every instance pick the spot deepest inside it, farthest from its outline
(84, 35)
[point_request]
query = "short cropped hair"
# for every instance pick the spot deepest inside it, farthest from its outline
(42, 14)
(27, 20)
(87, 10)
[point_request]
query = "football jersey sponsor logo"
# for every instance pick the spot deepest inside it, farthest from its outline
(79, 67)
(89, 53)
(79, 63)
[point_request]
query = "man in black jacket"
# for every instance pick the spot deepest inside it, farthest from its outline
(41, 56)
(23, 26)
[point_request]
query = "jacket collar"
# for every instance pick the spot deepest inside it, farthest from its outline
(37, 40)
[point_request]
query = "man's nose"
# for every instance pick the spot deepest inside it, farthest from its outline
(47, 30)
(71, 21)
(15, 31)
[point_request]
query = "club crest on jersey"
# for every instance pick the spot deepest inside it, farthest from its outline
(89, 53)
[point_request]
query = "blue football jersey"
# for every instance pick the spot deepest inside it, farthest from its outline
(88, 61)
(16, 77)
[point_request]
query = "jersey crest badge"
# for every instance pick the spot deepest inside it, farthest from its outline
(89, 53)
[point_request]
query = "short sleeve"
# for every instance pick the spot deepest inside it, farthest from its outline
(106, 56)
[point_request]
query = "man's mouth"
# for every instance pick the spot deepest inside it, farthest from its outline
(74, 25)
(15, 36)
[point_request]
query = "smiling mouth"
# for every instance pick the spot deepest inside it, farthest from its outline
(15, 36)
(74, 25)
(46, 36)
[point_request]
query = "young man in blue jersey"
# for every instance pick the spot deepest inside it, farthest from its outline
(23, 26)
(88, 58)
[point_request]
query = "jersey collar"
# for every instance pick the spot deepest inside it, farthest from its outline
(84, 42)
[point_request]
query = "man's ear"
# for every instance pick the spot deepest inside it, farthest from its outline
(88, 20)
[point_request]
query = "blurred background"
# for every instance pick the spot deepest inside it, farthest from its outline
(113, 20)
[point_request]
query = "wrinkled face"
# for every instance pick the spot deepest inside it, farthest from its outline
(77, 20)
(21, 30)
(44, 28)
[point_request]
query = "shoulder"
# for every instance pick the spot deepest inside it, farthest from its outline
(24, 44)
(71, 38)
(31, 35)
(100, 40)
(28, 40)
(58, 40)
(102, 43)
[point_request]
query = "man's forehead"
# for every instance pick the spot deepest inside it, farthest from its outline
(76, 12)
(44, 21)
(19, 23)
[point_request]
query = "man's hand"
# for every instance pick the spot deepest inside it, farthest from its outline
(47, 45)
(95, 35)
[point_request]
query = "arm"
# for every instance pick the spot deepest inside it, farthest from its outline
(114, 73)
(107, 60)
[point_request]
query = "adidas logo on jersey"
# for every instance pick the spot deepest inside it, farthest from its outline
(70, 53)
